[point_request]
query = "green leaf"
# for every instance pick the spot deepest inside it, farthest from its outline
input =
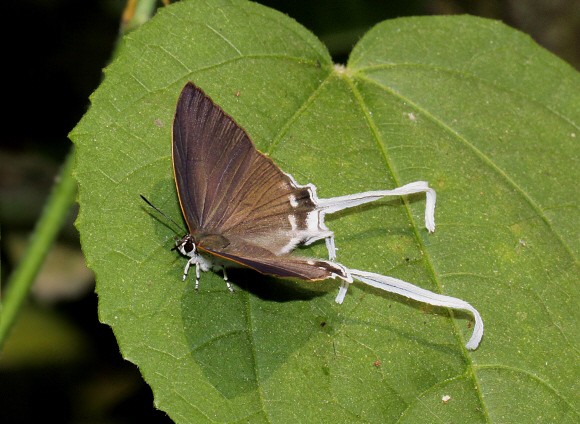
(480, 111)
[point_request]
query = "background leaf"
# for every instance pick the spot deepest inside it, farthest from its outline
(477, 109)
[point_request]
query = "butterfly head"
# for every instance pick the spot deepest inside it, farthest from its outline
(186, 246)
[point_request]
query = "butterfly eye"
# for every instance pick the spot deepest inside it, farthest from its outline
(188, 246)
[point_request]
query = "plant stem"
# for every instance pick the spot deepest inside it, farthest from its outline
(47, 228)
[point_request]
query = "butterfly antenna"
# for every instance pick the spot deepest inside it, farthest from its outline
(158, 210)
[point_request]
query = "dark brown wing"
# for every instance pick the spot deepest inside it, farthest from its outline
(287, 266)
(227, 187)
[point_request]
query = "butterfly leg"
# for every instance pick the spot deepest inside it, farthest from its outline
(186, 270)
(197, 275)
(226, 280)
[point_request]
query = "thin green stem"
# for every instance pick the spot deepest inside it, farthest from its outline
(55, 211)
(47, 228)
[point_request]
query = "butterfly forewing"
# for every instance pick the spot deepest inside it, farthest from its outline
(227, 187)
(208, 152)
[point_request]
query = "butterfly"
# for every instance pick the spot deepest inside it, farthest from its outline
(242, 210)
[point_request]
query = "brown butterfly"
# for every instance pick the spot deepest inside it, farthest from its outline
(242, 210)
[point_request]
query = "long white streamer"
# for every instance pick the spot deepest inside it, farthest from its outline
(394, 285)
(335, 204)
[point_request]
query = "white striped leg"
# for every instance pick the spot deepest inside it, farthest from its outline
(187, 265)
(226, 280)
(197, 271)
(197, 275)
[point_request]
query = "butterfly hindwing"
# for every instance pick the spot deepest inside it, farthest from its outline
(290, 266)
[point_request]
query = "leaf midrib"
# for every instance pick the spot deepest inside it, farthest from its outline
(483, 157)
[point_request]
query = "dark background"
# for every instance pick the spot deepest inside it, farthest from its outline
(60, 363)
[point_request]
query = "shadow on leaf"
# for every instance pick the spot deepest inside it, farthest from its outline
(239, 339)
